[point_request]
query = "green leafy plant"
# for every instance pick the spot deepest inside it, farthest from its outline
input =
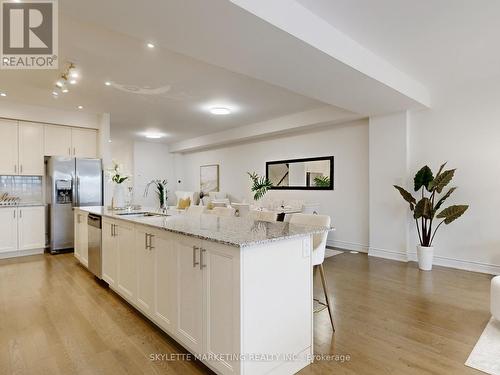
(425, 210)
(322, 181)
(115, 173)
(161, 191)
(260, 185)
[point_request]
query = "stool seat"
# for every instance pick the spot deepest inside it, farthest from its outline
(495, 297)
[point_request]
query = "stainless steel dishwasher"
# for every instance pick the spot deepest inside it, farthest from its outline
(95, 240)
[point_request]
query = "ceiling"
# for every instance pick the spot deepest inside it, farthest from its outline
(443, 44)
(152, 89)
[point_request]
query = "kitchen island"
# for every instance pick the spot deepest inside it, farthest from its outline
(237, 293)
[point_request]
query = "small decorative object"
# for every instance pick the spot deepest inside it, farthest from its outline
(118, 178)
(322, 181)
(424, 211)
(260, 185)
(161, 192)
(209, 178)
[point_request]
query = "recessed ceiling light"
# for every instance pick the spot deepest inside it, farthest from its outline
(220, 111)
(3, 94)
(150, 45)
(107, 83)
(80, 107)
(153, 135)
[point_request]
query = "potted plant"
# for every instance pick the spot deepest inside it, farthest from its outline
(161, 192)
(116, 176)
(260, 185)
(425, 211)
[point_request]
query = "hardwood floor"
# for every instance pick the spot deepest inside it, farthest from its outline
(389, 317)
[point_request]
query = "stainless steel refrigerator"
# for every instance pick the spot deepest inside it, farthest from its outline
(71, 183)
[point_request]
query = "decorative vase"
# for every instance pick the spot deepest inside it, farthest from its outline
(119, 196)
(425, 255)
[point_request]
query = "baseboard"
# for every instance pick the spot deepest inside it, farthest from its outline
(20, 253)
(344, 245)
(488, 268)
(387, 254)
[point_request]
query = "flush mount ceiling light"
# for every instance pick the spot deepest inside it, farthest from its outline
(153, 135)
(107, 83)
(69, 76)
(220, 111)
(80, 107)
(150, 45)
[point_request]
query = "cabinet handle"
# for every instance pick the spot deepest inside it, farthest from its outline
(146, 241)
(15, 168)
(20, 214)
(201, 258)
(69, 151)
(115, 233)
(112, 230)
(21, 168)
(195, 263)
(14, 213)
(74, 150)
(151, 247)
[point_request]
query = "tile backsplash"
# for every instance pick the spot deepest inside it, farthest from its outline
(27, 188)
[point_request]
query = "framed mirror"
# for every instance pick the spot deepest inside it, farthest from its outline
(301, 174)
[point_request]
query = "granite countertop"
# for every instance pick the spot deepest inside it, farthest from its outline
(22, 205)
(233, 231)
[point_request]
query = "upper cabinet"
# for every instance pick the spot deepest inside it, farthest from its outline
(9, 147)
(58, 141)
(22, 148)
(84, 142)
(31, 149)
(71, 142)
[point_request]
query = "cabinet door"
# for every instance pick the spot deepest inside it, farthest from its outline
(77, 240)
(109, 256)
(84, 143)
(83, 234)
(145, 255)
(31, 149)
(57, 140)
(221, 282)
(31, 228)
(165, 301)
(8, 229)
(127, 269)
(189, 318)
(9, 147)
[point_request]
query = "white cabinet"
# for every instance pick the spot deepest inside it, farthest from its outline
(57, 140)
(126, 279)
(31, 224)
(8, 147)
(84, 143)
(221, 310)
(165, 281)
(109, 252)
(22, 148)
(189, 319)
(8, 229)
(145, 254)
(31, 161)
(81, 240)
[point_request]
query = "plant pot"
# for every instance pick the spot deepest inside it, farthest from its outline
(119, 196)
(425, 257)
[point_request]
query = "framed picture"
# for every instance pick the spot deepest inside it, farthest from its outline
(209, 178)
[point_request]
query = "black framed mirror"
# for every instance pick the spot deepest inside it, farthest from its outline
(301, 174)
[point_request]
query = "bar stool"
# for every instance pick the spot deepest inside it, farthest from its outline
(318, 255)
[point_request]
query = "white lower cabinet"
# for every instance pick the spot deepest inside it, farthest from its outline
(22, 230)
(81, 239)
(8, 229)
(109, 252)
(126, 276)
(145, 256)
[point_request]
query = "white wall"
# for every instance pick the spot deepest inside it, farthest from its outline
(388, 166)
(347, 204)
(152, 161)
(465, 131)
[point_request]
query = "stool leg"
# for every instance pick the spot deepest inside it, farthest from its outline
(325, 289)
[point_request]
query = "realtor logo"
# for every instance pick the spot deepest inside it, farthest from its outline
(28, 34)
